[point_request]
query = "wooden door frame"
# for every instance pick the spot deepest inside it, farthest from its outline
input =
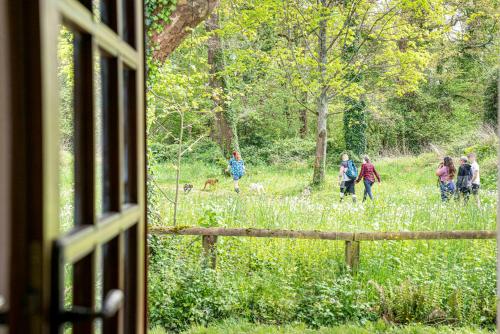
(5, 171)
(29, 157)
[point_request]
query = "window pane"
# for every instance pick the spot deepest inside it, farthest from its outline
(110, 135)
(128, 26)
(130, 135)
(65, 74)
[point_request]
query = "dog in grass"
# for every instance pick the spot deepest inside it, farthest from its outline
(187, 188)
(212, 183)
(257, 187)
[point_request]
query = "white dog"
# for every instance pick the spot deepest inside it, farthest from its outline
(257, 187)
(306, 192)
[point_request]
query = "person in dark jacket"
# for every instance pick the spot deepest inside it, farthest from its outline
(368, 174)
(464, 180)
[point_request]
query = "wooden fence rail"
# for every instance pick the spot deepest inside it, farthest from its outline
(352, 239)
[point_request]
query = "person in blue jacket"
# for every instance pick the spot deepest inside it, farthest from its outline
(237, 168)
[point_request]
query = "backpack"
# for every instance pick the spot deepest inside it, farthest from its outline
(352, 171)
(465, 181)
(468, 177)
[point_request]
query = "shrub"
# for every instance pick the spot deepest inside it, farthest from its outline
(327, 303)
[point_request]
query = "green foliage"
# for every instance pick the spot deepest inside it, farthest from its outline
(491, 100)
(422, 84)
(355, 126)
(194, 297)
(328, 303)
(278, 282)
(280, 152)
(157, 13)
(243, 327)
(65, 78)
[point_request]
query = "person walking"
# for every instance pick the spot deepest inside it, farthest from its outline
(347, 177)
(446, 172)
(237, 168)
(476, 180)
(368, 174)
(464, 180)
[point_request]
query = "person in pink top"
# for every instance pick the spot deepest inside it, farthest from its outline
(368, 174)
(446, 172)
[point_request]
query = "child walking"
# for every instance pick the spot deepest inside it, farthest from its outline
(237, 168)
(368, 174)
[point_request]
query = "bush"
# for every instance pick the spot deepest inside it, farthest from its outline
(176, 302)
(280, 152)
(328, 303)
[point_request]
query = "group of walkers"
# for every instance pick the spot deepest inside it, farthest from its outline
(348, 176)
(467, 178)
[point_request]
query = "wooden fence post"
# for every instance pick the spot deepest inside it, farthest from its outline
(210, 250)
(352, 255)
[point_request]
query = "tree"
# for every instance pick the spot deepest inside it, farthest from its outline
(342, 41)
(224, 130)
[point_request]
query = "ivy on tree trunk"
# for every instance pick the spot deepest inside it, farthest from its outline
(355, 125)
(224, 126)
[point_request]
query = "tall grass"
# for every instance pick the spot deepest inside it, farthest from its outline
(287, 281)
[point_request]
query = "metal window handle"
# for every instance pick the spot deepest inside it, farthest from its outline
(112, 303)
(3, 310)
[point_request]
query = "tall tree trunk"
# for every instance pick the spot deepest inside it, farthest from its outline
(322, 107)
(224, 129)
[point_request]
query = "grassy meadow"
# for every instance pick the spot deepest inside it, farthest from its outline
(229, 327)
(291, 285)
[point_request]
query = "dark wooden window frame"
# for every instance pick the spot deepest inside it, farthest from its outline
(36, 271)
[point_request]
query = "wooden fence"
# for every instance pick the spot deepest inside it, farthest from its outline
(352, 239)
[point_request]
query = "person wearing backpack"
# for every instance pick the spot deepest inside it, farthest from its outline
(368, 174)
(347, 178)
(237, 168)
(464, 180)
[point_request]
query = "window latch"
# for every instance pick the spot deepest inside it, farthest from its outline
(3, 310)
(111, 305)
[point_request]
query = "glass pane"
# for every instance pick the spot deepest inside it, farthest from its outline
(131, 279)
(128, 26)
(86, 3)
(110, 278)
(98, 135)
(65, 52)
(68, 293)
(109, 134)
(107, 13)
(130, 136)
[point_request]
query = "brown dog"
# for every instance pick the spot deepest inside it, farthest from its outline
(210, 182)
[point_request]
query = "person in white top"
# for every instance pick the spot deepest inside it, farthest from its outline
(476, 180)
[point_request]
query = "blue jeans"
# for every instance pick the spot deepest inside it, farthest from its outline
(368, 189)
(447, 190)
